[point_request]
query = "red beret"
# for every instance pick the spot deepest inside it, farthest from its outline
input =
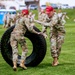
(25, 12)
(49, 9)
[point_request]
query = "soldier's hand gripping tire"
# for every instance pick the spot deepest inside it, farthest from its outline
(38, 52)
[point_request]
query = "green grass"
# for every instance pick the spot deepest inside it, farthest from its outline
(67, 60)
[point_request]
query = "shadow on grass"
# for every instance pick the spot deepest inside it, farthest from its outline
(49, 64)
(66, 64)
(40, 66)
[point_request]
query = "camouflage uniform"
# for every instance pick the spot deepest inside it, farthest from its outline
(43, 18)
(8, 20)
(57, 32)
(62, 17)
(13, 19)
(5, 20)
(31, 16)
(17, 36)
(60, 14)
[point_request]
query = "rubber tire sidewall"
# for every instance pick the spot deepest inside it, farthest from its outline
(38, 52)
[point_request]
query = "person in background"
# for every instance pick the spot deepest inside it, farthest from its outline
(31, 16)
(8, 20)
(62, 16)
(5, 20)
(13, 19)
(74, 20)
(43, 18)
(57, 32)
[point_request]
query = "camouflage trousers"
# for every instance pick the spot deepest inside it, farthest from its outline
(14, 40)
(12, 22)
(56, 44)
(44, 30)
(8, 23)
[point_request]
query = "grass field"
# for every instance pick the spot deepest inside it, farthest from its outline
(67, 57)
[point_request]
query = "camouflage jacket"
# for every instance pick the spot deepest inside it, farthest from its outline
(22, 24)
(43, 17)
(54, 24)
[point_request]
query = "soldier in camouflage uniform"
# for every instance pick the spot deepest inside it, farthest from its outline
(13, 19)
(31, 16)
(62, 16)
(8, 20)
(5, 20)
(17, 36)
(43, 17)
(57, 33)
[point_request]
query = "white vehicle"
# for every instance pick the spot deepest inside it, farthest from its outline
(21, 7)
(54, 6)
(64, 6)
(33, 7)
(43, 7)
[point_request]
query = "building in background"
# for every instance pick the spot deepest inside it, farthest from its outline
(28, 2)
(12, 3)
(17, 3)
(32, 2)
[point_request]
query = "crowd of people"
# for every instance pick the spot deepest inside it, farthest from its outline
(9, 20)
(24, 20)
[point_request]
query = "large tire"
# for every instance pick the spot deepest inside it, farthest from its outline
(38, 52)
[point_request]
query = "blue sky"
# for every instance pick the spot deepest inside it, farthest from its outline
(70, 2)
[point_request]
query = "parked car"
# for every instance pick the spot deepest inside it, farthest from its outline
(70, 7)
(73, 7)
(64, 6)
(1, 7)
(21, 7)
(32, 7)
(54, 6)
(43, 6)
(12, 7)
